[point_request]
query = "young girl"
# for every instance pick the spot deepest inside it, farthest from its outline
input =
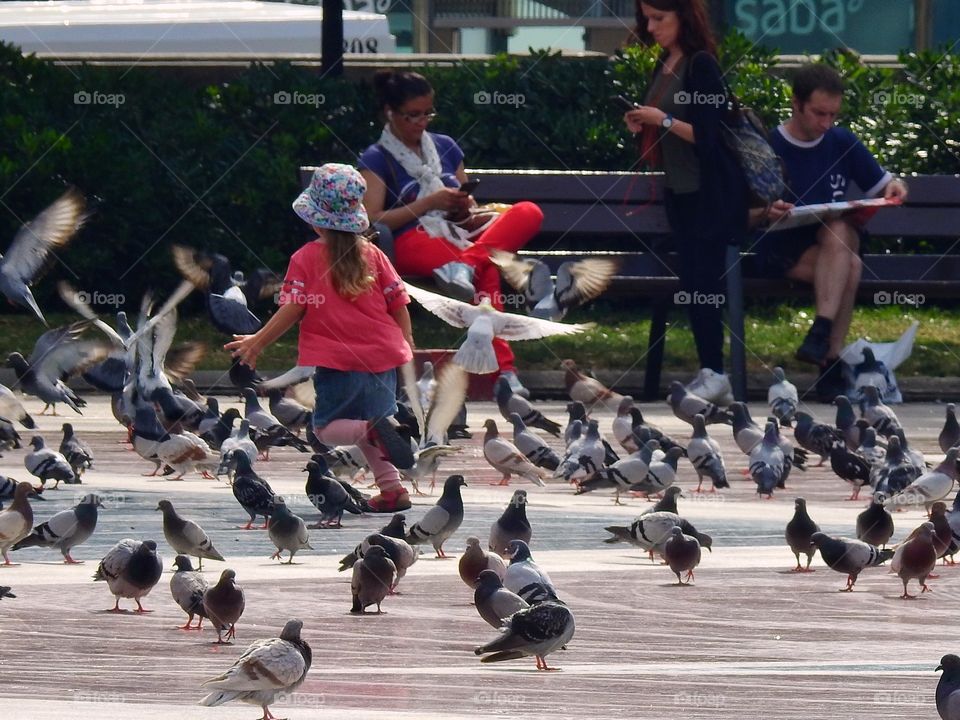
(354, 328)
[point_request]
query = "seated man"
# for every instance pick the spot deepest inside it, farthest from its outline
(819, 161)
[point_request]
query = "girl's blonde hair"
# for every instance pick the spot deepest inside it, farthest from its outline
(349, 271)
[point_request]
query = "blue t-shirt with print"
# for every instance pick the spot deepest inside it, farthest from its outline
(820, 171)
(401, 188)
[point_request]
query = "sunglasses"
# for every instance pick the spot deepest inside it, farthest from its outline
(418, 116)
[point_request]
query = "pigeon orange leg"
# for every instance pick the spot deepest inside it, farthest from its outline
(851, 580)
(140, 608)
(188, 626)
(855, 495)
(689, 575)
(924, 586)
(116, 607)
(70, 561)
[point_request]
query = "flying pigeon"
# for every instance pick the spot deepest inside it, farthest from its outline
(511, 525)
(266, 669)
(185, 536)
(475, 560)
(494, 602)
(442, 520)
(373, 577)
(848, 556)
(187, 587)
(67, 529)
(537, 631)
(287, 531)
(131, 569)
(682, 553)
(799, 530)
(782, 397)
(223, 604)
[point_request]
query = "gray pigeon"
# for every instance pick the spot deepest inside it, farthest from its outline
(798, 532)
(29, 252)
(187, 587)
(66, 529)
(682, 553)
(328, 495)
(12, 408)
(131, 568)
(848, 556)
(525, 577)
(624, 474)
(398, 550)
(373, 576)
(275, 433)
(494, 602)
(185, 536)
(223, 604)
(47, 464)
(510, 402)
(287, 531)
(661, 474)
(537, 631)
(746, 433)
(950, 434)
(511, 525)
(393, 529)
(705, 456)
(782, 397)
(685, 405)
(442, 520)
(767, 463)
(875, 524)
(291, 414)
(880, 416)
(933, 485)
(948, 689)
(651, 532)
(816, 437)
(532, 445)
(5, 592)
(266, 669)
(76, 452)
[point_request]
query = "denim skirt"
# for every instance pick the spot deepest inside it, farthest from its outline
(353, 395)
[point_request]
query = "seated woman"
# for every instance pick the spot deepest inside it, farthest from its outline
(413, 186)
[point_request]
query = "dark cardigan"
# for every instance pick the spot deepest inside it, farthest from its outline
(723, 190)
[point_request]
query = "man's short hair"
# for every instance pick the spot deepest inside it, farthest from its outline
(816, 76)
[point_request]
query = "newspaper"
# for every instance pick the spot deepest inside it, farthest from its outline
(859, 212)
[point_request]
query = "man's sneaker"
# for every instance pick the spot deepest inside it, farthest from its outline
(456, 280)
(458, 432)
(831, 382)
(388, 502)
(814, 348)
(712, 386)
(514, 382)
(384, 435)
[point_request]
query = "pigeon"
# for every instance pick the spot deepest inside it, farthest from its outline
(682, 553)
(782, 397)
(537, 631)
(238, 441)
(685, 405)
(799, 530)
(397, 549)
(47, 464)
(668, 503)
(475, 560)
(849, 466)
(793, 457)
(511, 525)
(848, 556)
(427, 462)
(216, 434)
(29, 253)
(642, 431)
(328, 495)
(373, 576)
(913, 456)
(767, 463)
(229, 293)
(76, 452)
(276, 434)
(524, 577)
(880, 416)
(426, 385)
(873, 453)
(587, 390)
(16, 521)
(12, 408)
(746, 433)
(942, 532)
(896, 472)
(947, 695)
(875, 524)
(223, 604)
(577, 282)
(185, 536)
(266, 669)
(847, 423)
(67, 529)
(622, 425)
(915, 557)
(287, 531)
(532, 446)
(442, 520)
(651, 532)
(576, 418)
(815, 437)
(505, 458)
(933, 485)
(187, 587)
(291, 414)
(705, 456)
(494, 602)
(950, 434)
(5, 592)
(623, 474)
(661, 474)
(8, 489)
(131, 569)
(583, 460)
(510, 402)
(873, 371)
(252, 492)
(483, 323)
(343, 461)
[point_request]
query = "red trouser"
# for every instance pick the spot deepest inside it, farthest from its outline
(419, 254)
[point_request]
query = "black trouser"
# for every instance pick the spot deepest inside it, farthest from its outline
(702, 248)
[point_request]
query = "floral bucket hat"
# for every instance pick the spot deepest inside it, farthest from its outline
(334, 199)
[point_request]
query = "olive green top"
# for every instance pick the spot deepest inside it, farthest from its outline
(680, 162)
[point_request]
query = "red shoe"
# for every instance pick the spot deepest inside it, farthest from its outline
(388, 502)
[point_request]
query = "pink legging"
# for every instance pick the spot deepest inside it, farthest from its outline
(419, 254)
(354, 432)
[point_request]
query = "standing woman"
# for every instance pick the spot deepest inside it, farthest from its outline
(413, 178)
(706, 194)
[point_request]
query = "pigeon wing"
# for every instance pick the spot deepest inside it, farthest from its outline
(266, 665)
(453, 312)
(583, 280)
(30, 251)
(519, 327)
(192, 266)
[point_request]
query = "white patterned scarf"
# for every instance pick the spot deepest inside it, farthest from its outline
(427, 173)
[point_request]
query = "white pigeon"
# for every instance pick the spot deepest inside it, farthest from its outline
(240, 440)
(483, 323)
(783, 398)
(933, 485)
(185, 452)
(506, 459)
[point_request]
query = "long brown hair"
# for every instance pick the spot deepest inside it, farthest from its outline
(695, 32)
(349, 271)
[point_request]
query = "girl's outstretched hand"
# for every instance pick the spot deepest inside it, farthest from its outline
(244, 348)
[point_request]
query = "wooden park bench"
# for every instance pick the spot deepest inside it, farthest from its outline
(591, 214)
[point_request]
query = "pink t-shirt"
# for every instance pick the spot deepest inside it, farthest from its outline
(343, 334)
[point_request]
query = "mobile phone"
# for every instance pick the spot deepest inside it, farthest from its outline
(623, 103)
(470, 185)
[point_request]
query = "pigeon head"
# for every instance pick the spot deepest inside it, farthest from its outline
(249, 394)
(489, 579)
(937, 509)
(229, 415)
(15, 360)
(291, 630)
(950, 664)
(677, 391)
(501, 389)
(871, 393)
(518, 551)
(91, 499)
(67, 429)
(473, 541)
(800, 504)
(165, 506)
(676, 531)
(674, 491)
(147, 547)
(578, 411)
(36, 442)
(182, 563)
(699, 426)
(243, 462)
(926, 529)
(453, 484)
(519, 498)
(778, 374)
(228, 577)
(626, 402)
(818, 538)
(375, 551)
(704, 540)
(516, 420)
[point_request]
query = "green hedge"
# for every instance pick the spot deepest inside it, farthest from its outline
(215, 165)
